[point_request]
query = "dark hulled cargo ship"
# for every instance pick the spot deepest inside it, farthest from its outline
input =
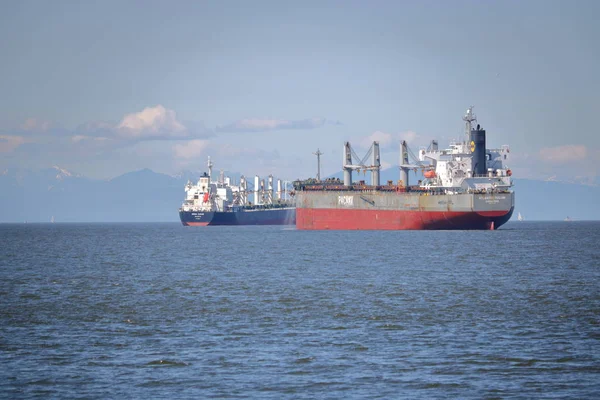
(223, 203)
(466, 186)
(240, 216)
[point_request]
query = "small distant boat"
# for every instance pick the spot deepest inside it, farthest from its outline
(568, 219)
(520, 217)
(52, 220)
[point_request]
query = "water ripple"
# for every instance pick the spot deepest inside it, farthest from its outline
(158, 310)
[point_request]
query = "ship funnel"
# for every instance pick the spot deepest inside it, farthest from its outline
(376, 165)
(477, 147)
(347, 164)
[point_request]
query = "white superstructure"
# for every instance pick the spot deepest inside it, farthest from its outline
(456, 168)
(223, 195)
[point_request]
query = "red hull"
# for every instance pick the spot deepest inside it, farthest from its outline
(345, 219)
(195, 223)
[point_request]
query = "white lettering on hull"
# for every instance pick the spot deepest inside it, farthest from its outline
(492, 199)
(346, 201)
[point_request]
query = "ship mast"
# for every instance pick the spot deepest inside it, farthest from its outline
(469, 118)
(318, 154)
(210, 165)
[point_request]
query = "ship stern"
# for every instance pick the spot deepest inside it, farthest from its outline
(196, 218)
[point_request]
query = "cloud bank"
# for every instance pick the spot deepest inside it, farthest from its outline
(389, 141)
(265, 124)
(190, 150)
(35, 125)
(563, 154)
(152, 123)
(134, 140)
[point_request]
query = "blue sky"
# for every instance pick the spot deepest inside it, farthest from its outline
(103, 88)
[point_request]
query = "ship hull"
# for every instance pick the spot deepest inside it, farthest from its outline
(322, 219)
(276, 216)
(320, 210)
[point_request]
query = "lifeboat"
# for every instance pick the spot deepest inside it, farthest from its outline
(429, 174)
(205, 199)
(508, 172)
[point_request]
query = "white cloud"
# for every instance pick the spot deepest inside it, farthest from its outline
(563, 154)
(9, 143)
(152, 122)
(267, 124)
(191, 149)
(383, 138)
(409, 136)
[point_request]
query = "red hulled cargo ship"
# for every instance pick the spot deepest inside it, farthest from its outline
(465, 187)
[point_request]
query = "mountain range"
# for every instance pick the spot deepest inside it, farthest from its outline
(148, 196)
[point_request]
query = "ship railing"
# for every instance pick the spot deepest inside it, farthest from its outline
(488, 176)
(315, 186)
(266, 206)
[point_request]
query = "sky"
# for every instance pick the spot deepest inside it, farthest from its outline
(104, 88)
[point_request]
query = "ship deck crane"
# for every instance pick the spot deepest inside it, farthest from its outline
(359, 163)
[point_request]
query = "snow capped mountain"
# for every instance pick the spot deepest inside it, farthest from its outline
(576, 180)
(62, 173)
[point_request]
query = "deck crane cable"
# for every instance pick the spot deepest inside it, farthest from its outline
(415, 159)
(361, 163)
(366, 157)
(356, 157)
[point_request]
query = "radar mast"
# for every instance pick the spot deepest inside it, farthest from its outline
(210, 165)
(318, 154)
(469, 118)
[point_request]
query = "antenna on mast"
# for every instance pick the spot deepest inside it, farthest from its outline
(210, 165)
(318, 154)
(469, 118)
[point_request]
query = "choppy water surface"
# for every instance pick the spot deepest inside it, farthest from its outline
(153, 310)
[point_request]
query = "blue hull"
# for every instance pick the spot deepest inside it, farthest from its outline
(271, 216)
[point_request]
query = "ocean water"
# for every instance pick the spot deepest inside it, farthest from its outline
(163, 311)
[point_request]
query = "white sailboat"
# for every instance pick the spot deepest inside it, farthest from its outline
(520, 217)
(52, 220)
